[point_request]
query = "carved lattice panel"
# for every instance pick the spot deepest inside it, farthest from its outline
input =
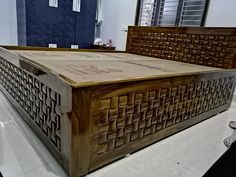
(40, 102)
(208, 47)
(129, 117)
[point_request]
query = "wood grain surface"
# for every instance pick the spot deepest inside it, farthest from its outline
(123, 102)
(214, 47)
(89, 68)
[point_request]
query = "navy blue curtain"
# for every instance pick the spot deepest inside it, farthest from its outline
(39, 24)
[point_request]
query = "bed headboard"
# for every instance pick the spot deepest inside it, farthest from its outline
(214, 47)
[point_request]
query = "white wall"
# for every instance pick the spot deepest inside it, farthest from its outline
(8, 22)
(221, 13)
(116, 15)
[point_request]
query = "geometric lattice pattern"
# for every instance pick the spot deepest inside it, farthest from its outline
(41, 103)
(129, 117)
(186, 45)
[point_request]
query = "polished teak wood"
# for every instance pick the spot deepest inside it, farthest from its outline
(203, 46)
(91, 108)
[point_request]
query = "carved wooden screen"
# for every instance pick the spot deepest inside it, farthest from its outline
(41, 103)
(215, 47)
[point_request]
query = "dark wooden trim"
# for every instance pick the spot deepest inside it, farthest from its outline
(55, 49)
(188, 30)
(80, 140)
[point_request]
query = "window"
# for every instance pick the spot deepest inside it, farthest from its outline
(172, 12)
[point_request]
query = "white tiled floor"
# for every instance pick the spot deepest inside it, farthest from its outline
(188, 153)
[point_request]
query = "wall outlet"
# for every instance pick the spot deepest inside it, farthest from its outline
(76, 5)
(53, 3)
(74, 46)
(52, 45)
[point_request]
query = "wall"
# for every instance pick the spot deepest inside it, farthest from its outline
(116, 15)
(221, 13)
(8, 22)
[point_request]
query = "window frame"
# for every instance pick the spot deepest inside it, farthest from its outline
(179, 8)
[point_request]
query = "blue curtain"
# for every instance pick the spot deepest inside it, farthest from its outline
(39, 24)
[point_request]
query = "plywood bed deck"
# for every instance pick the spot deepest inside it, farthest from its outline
(90, 68)
(91, 108)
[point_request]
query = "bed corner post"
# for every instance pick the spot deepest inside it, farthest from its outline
(80, 140)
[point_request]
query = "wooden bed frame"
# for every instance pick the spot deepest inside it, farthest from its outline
(90, 124)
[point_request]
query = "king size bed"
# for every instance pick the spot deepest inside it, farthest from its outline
(93, 107)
